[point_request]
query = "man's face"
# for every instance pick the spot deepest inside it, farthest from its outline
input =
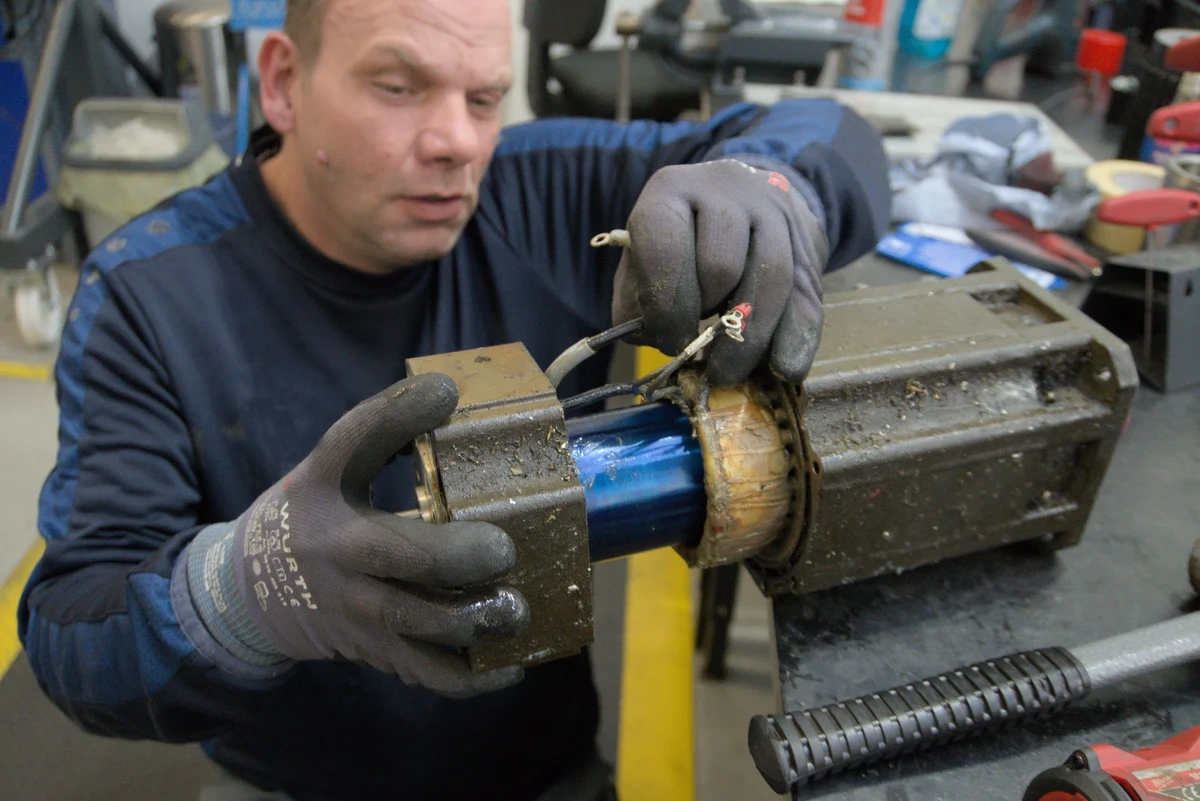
(396, 120)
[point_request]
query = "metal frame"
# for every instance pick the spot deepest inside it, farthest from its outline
(35, 120)
(1151, 299)
(29, 231)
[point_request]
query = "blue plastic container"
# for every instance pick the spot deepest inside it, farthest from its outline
(927, 27)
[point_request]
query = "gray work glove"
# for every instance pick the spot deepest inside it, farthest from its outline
(312, 571)
(706, 237)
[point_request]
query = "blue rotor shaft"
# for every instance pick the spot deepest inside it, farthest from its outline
(643, 475)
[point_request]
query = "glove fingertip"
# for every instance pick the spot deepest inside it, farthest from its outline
(479, 683)
(473, 553)
(506, 616)
(792, 356)
(501, 678)
(670, 342)
(436, 392)
(727, 371)
(495, 542)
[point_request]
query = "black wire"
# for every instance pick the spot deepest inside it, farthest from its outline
(664, 372)
(108, 27)
(600, 393)
(650, 380)
(594, 344)
(615, 333)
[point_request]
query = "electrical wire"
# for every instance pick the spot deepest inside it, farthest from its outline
(600, 393)
(617, 237)
(586, 348)
(655, 379)
(616, 332)
(650, 386)
(616, 390)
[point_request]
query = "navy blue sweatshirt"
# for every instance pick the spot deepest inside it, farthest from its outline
(209, 347)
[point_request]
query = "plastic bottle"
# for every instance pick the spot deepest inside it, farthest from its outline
(927, 27)
(867, 63)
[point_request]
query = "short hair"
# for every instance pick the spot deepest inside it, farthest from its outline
(302, 23)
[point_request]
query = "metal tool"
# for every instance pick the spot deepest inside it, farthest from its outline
(1023, 250)
(795, 748)
(1152, 209)
(1176, 123)
(1157, 76)
(1183, 172)
(937, 420)
(1079, 264)
(1167, 771)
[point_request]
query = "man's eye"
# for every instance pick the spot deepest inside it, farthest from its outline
(393, 89)
(485, 103)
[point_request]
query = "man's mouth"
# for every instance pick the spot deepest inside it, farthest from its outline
(434, 207)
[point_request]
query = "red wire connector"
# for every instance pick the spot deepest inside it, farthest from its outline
(735, 321)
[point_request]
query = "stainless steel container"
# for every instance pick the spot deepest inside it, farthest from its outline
(1183, 172)
(197, 51)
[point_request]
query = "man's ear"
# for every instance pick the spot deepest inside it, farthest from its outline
(279, 69)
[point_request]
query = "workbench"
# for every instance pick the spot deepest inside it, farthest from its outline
(929, 115)
(1130, 570)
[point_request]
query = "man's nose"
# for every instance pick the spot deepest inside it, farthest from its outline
(448, 135)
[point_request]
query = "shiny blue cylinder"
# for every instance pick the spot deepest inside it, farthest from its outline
(643, 474)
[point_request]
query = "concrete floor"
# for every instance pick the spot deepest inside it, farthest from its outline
(28, 418)
(28, 426)
(724, 769)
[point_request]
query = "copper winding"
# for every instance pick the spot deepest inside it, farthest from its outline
(746, 465)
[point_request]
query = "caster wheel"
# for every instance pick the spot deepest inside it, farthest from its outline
(40, 310)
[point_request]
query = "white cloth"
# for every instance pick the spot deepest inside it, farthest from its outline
(976, 161)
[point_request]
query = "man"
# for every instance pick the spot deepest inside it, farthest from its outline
(215, 570)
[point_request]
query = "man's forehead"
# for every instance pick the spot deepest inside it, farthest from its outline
(467, 23)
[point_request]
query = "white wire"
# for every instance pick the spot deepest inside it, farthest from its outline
(617, 237)
(568, 360)
(581, 351)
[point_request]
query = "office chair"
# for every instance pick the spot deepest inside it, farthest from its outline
(587, 79)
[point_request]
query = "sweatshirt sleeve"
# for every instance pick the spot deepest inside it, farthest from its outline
(553, 184)
(106, 640)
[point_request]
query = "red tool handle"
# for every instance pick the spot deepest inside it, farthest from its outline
(1055, 243)
(1019, 223)
(1150, 208)
(1184, 56)
(1180, 121)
